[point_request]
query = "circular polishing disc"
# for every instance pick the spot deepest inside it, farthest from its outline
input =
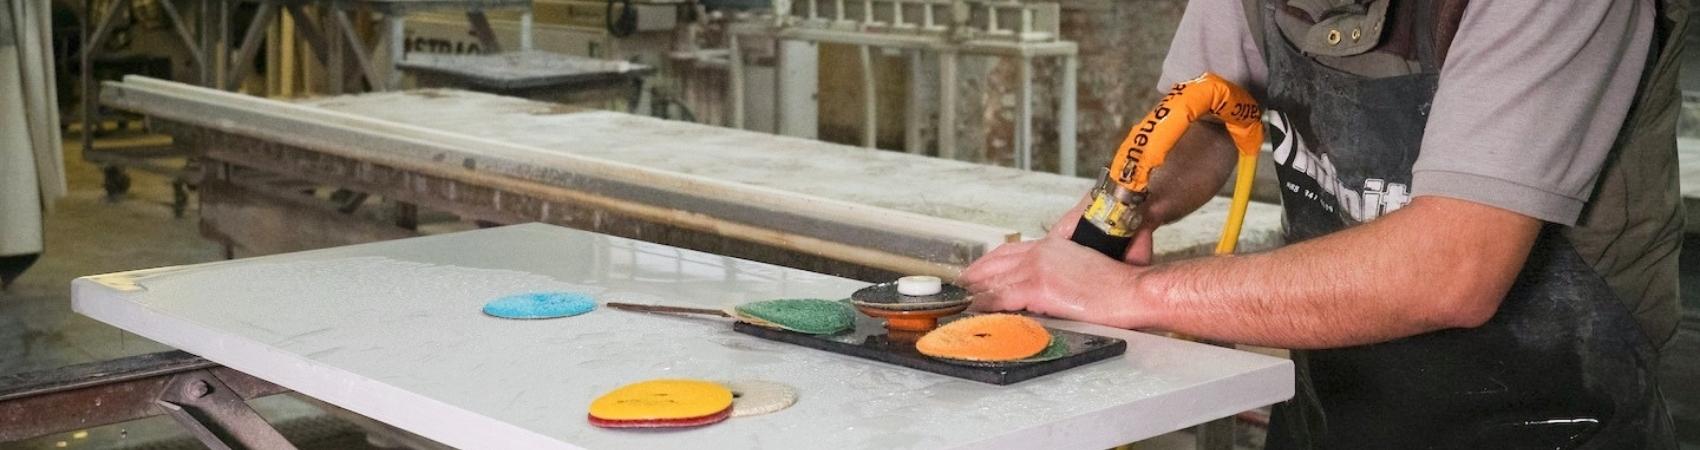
(757, 397)
(887, 296)
(990, 337)
(753, 320)
(803, 315)
(540, 305)
(1055, 351)
(662, 400)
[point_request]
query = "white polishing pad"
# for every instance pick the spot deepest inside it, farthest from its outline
(756, 397)
(920, 285)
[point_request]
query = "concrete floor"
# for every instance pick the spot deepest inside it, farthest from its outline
(88, 235)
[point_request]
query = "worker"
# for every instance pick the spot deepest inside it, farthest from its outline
(1481, 212)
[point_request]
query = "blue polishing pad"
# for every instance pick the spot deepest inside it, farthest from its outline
(540, 305)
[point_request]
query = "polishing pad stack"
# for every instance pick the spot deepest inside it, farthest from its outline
(992, 338)
(911, 304)
(912, 293)
(678, 403)
(662, 404)
(756, 397)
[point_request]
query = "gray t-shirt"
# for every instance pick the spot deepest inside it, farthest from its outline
(1532, 97)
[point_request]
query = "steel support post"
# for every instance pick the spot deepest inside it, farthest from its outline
(1024, 115)
(870, 99)
(735, 71)
(916, 109)
(394, 38)
(947, 104)
(1067, 107)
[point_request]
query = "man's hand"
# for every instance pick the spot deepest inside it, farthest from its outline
(1437, 263)
(1055, 277)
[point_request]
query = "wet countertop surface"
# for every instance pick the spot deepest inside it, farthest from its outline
(393, 330)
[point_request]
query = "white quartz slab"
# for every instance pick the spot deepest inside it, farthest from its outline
(393, 331)
(1006, 198)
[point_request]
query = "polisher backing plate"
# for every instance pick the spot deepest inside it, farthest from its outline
(757, 397)
(885, 296)
(803, 315)
(664, 402)
(540, 305)
(990, 337)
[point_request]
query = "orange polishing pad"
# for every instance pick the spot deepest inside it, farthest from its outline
(990, 337)
(661, 403)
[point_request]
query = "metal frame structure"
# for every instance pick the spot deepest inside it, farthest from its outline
(948, 28)
(219, 66)
(207, 399)
(93, 42)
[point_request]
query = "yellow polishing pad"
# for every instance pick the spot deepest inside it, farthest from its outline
(662, 400)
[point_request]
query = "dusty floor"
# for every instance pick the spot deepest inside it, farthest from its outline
(88, 235)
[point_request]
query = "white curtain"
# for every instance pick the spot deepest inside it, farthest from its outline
(32, 165)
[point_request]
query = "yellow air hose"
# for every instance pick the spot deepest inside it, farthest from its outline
(1246, 172)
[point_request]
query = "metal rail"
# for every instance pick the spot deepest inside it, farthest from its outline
(1008, 20)
(208, 399)
(946, 28)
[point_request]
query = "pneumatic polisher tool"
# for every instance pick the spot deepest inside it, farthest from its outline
(1114, 214)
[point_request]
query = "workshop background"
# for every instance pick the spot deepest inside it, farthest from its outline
(120, 194)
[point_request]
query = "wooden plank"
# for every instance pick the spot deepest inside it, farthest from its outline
(311, 31)
(244, 61)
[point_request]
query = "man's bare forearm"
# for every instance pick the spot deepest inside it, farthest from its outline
(1438, 263)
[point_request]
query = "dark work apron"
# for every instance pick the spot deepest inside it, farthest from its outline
(1562, 364)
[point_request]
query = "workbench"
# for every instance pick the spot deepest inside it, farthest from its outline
(534, 74)
(829, 208)
(393, 331)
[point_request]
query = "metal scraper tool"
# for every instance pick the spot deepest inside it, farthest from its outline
(668, 309)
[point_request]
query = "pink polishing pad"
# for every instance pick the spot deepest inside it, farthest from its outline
(669, 423)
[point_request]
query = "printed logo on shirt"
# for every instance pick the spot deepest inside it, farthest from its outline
(1322, 184)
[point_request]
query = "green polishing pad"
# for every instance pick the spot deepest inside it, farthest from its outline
(1056, 349)
(804, 315)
